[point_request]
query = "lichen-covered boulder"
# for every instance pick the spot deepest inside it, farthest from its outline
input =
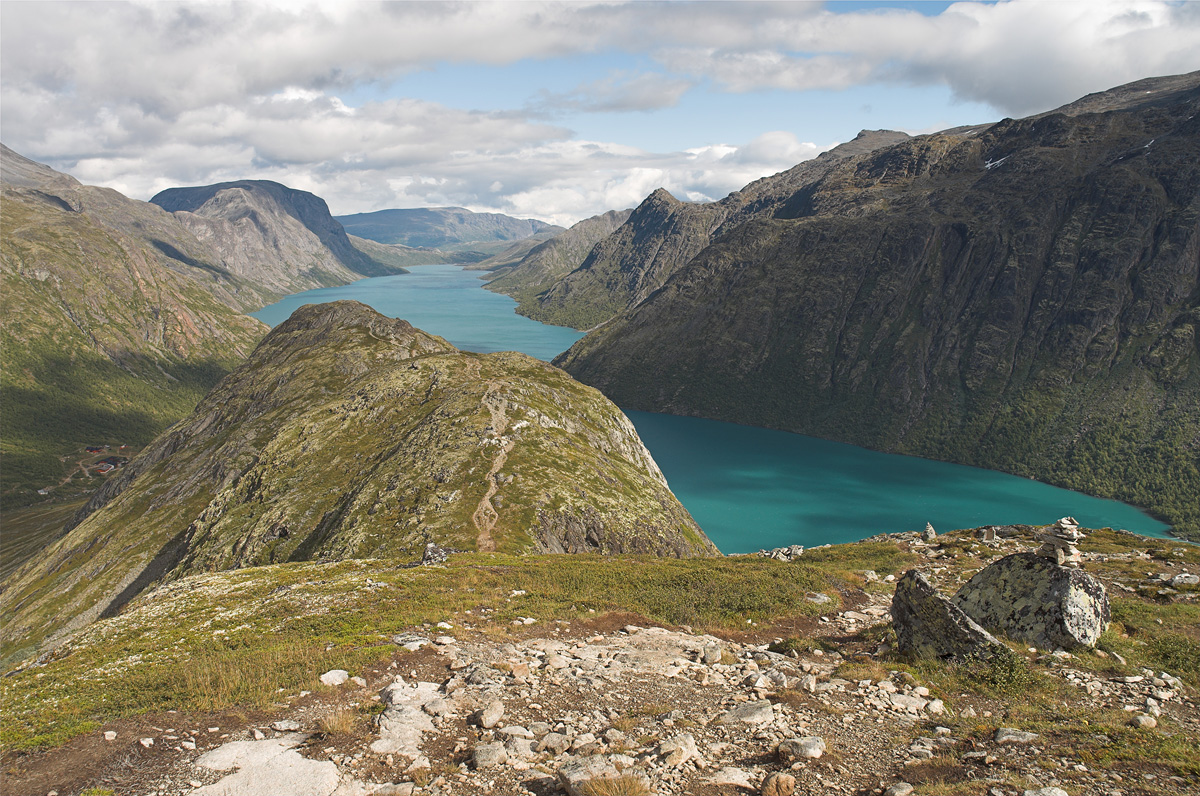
(930, 626)
(1030, 598)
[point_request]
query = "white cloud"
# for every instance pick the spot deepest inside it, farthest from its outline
(616, 93)
(146, 95)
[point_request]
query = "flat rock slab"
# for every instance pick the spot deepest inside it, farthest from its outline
(1012, 735)
(759, 712)
(730, 776)
(272, 768)
(930, 626)
(1032, 599)
(597, 774)
(404, 720)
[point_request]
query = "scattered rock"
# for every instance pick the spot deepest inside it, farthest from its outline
(759, 712)
(1032, 599)
(1047, 792)
(1011, 735)
(489, 755)
(399, 789)
(930, 626)
(899, 789)
(109, 735)
(335, 677)
(1185, 579)
(807, 748)
(674, 752)
(1144, 721)
(778, 783)
(489, 716)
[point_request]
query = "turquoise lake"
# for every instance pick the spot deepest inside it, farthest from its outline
(748, 488)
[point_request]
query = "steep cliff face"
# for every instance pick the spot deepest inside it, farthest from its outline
(1023, 296)
(548, 262)
(661, 236)
(272, 235)
(350, 435)
(115, 321)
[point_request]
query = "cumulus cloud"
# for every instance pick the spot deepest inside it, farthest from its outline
(146, 95)
(618, 93)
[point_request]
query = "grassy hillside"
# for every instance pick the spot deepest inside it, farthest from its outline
(347, 435)
(102, 343)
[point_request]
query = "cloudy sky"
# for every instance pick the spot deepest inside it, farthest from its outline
(551, 110)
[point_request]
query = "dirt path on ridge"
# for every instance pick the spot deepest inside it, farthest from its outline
(486, 515)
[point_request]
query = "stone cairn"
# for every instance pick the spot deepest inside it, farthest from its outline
(929, 534)
(1058, 543)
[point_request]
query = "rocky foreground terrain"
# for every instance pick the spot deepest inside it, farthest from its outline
(509, 696)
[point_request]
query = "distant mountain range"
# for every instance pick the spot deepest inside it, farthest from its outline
(445, 228)
(1023, 296)
(350, 435)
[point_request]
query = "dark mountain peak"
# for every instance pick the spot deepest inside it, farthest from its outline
(660, 196)
(1151, 91)
(866, 141)
(239, 199)
(269, 232)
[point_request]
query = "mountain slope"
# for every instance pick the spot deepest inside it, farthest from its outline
(1023, 297)
(115, 322)
(550, 261)
(444, 228)
(663, 234)
(350, 435)
(275, 236)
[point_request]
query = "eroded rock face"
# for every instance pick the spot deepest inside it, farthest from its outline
(930, 626)
(1030, 598)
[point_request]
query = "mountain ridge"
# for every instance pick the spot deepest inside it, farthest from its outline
(346, 434)
(1021, 296)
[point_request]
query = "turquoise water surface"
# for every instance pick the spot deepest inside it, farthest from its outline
(748, 488)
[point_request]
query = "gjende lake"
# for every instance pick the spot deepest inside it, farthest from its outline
(748, 488)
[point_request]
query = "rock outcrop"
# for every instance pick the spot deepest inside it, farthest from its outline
(1028, 597)
(930, 626)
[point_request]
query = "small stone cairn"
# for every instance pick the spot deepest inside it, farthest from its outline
(1058, 543)
(929, 534)
(790, 553)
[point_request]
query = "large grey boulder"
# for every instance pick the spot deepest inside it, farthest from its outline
(930, 626)
(1030, 598)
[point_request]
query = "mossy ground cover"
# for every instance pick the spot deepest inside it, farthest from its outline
(240, 639)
